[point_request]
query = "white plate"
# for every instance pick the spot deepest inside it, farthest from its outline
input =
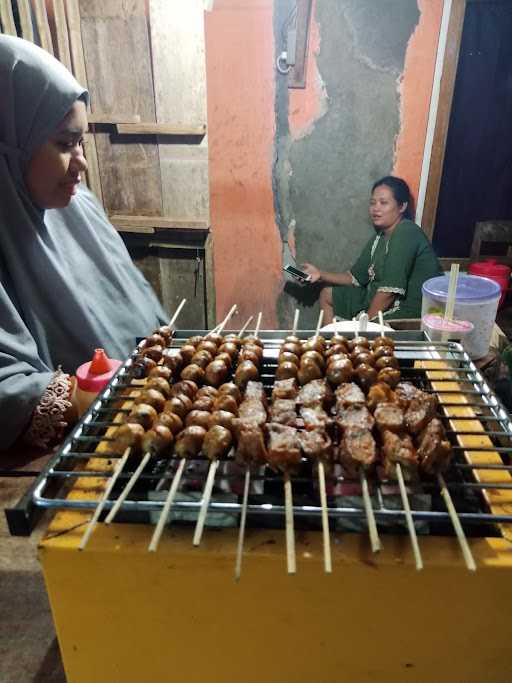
(352, 326)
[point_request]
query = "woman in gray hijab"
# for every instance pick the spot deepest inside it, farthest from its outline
(67, 283)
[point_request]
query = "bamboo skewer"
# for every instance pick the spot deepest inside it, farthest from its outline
(319, 323)
(241, 532)
(226, 319)
(408, 516)
(101, 503)
(131, 482)
(207, 494)
(258, 324)
(295, 322)
(370, 517)
(459, 531)
(325, 519)
(113, 512)
(381, 323)
(243, 516)
(155, 539)
(323, 494)
(290, 532)
(242, 330)
(177, 312)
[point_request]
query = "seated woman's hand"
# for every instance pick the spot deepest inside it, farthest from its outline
(312, 271)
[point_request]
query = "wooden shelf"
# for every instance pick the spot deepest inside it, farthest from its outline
(158, 129)
(112, 119)
(151, 224)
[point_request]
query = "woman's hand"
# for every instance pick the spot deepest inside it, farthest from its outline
(312, 271)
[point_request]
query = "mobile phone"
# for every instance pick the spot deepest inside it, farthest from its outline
(299, 275)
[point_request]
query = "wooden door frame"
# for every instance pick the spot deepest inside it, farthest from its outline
(446, 90)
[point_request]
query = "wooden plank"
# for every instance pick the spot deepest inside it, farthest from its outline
(209, 283)
(75, 42)
(443, 116)
(7, 18)
(25, 15)
(93, 171)
(113, 119)
(182, 277)
(172, 274)
(43, 27)
(80, 73)
(177, 41)
(137, 230)
(184, 170)
(117, 55)
(179, 67)
(446, 263)
(157, 222)
(61, 29)
(491, 231)
(159, 129)
(297, 75)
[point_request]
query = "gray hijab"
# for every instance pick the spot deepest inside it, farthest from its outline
(67, 283)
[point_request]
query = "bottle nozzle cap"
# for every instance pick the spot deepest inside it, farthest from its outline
(100, 363)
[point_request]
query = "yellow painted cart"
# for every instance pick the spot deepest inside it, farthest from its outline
(178, 615)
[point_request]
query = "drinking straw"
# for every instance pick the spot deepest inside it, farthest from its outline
(450, 301)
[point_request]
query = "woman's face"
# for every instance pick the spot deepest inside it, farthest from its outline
(53, 172)
(385, 211)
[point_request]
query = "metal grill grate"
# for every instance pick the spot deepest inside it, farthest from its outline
(471, 484)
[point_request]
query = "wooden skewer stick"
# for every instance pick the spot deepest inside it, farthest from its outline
(370, 517)
(290, 532)
(242, 331)
(101, 504)
(459, 531)
(258, 324)
(162, 520)
(319, 323)
(207, 494)
(381, 323)
(241, 532)
(113, 512)
(227, 318)
(176, 314)
(295, 321)
(408, 516)
(325, 519)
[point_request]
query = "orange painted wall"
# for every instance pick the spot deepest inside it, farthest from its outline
(416, 89)
(241, 128)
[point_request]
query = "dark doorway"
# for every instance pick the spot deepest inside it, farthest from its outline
(477, 174)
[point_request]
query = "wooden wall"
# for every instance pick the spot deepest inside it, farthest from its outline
(143, 63)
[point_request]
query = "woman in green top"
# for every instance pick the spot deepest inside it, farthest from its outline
(392, 267)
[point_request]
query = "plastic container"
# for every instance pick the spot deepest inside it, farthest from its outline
(476, 300)
(93, 377)
(439, 329)
(494, 271)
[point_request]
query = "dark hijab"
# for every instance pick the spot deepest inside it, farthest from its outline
(67, 283)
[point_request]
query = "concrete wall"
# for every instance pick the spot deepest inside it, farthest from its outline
(290, 170)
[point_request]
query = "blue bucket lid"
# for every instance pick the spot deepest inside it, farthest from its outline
(470, 288)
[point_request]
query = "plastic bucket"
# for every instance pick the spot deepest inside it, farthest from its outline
(476, 300)
(494, 271)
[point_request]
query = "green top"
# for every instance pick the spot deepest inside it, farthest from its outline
(399, 265)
